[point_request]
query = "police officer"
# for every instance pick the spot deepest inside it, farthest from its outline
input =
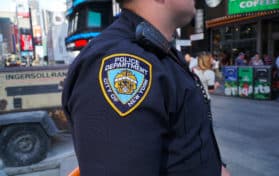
(134, 107)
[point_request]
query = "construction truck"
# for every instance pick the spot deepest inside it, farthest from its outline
(30, 112)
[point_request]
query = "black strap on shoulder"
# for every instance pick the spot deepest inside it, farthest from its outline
(152, 40)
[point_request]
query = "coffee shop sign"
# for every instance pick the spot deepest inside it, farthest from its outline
(244, 6)
(255, 3)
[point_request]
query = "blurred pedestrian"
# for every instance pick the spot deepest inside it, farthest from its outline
(256, 60)
(225, 59)
(277, 65)
(191, 61)
(205, 72)
(240, 60)
(267, 59)
(217, 66)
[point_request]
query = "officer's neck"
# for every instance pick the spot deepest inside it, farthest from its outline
(164, 28)
(160, 22)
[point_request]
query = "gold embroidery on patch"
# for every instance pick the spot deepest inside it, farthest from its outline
(125, 82)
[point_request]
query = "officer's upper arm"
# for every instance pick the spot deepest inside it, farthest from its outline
(116, 129)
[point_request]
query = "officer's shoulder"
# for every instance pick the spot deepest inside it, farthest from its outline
(107, 45)
(126, 46)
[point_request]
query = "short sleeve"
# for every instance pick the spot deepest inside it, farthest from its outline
(210, 77)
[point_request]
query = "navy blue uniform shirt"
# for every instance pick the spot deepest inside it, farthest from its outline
(134, 113)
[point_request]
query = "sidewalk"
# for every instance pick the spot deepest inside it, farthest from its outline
(60, 165)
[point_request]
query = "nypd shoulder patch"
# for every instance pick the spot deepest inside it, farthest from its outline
(125, 81)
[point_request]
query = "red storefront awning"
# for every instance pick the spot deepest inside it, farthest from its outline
(221, 21)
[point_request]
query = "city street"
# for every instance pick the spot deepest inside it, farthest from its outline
(247, 131)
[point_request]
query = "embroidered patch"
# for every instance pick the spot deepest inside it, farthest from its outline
(125, 81)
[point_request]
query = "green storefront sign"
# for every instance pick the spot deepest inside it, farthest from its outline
(245, 6)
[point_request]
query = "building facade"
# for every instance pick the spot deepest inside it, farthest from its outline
(246, 26)
(233, 26)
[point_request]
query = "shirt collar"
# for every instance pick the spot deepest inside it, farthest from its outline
(132, 17)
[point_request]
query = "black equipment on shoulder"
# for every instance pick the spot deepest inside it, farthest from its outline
(151, 39)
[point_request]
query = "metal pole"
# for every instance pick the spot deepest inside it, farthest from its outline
(18, 34)
(32, 36)
(259, 37)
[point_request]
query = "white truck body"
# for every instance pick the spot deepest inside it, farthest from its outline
(31, 88)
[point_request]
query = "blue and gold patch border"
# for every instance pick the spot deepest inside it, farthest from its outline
(123, 114)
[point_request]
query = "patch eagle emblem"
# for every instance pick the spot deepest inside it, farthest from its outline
(125, 80)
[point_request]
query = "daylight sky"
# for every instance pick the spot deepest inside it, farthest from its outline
(9, 5)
